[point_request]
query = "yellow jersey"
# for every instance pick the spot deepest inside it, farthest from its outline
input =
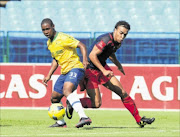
(63, 49)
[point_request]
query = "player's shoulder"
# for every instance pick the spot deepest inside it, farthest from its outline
(64, 35)
(106, 37)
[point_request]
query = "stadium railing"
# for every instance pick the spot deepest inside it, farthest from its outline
(31, 46)
(149, 48)
(137, 48)
(2, 47)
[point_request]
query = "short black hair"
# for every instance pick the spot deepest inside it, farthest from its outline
(123, 23)
(47, 20)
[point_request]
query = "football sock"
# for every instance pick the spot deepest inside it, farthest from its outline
(86, 102)
(61, 122)
(131, 106)
(76, 104)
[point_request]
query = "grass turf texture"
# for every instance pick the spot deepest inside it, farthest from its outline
(105, 123)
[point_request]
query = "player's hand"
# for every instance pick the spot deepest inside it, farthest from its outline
(108, 73)
(45, 80)
(85, 64)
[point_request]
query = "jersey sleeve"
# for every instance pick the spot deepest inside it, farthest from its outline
(103, 42)
(69, 41)
(100, 45)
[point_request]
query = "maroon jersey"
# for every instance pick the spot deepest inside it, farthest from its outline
(107, 45)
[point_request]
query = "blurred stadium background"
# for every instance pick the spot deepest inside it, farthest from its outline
(154, 37)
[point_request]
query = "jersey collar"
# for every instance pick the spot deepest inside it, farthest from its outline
(115, 43)
(55, 36)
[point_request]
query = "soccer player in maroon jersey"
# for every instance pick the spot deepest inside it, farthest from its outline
(98, 72)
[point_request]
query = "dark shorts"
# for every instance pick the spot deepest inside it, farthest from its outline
(74, 76)
(96, 77)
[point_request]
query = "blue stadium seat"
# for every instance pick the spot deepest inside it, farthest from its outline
(138, 13)
(80, 4)
(30, 4)
(93, 16)
(13, 4)
(4, 25)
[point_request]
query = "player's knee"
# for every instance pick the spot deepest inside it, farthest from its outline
(55, 100)
(124, 95)
(67, 91)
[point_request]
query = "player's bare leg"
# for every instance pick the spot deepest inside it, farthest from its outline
(56, 98)
(115, 86)
(95, 98)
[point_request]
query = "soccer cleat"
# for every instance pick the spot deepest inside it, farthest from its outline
(145, 121)
(57, 125)
(83, 121)
(69, 110)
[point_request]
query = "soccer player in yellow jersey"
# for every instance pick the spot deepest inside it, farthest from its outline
(63, 51)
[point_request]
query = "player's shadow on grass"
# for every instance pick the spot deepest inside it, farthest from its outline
(91, 128)
(5, 125)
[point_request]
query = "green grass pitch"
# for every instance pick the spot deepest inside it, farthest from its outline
(105, 123)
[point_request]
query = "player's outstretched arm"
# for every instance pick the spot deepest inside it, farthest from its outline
(54, 66)
(117, 63)
(84, 54)
(93, 57)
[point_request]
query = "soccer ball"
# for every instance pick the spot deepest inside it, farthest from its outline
(56, 111)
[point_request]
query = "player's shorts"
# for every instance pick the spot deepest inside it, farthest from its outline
(74, 76)
(96, 77)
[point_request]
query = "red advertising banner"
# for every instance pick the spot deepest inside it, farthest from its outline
(151, 86)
